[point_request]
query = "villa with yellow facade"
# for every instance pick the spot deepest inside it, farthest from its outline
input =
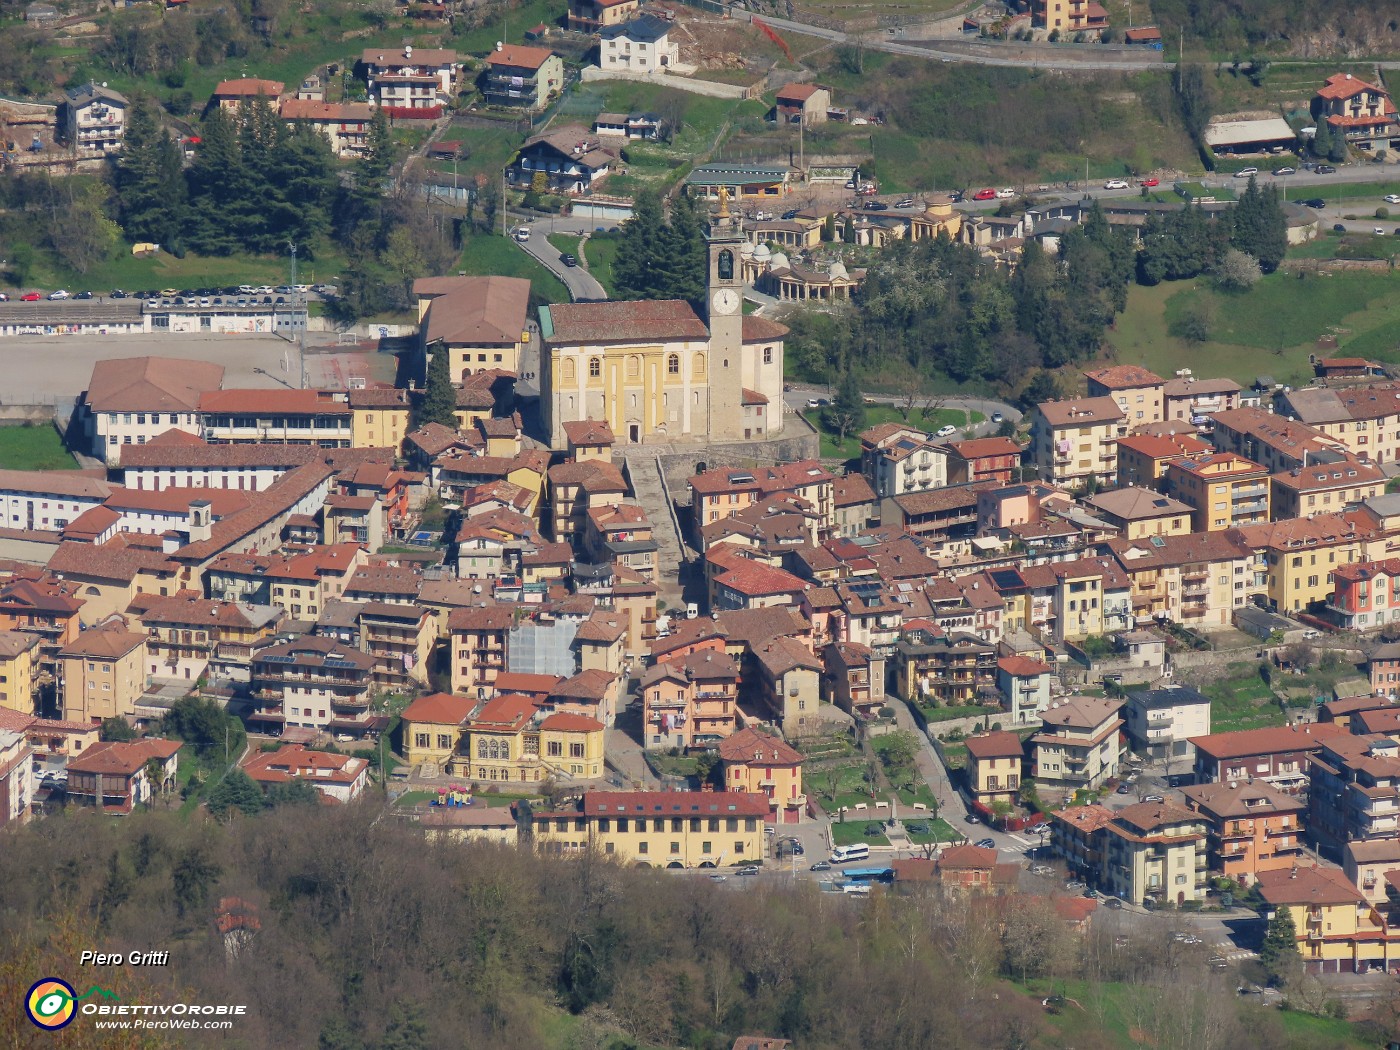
(762, 764)
(1338, 930)
(994, 767)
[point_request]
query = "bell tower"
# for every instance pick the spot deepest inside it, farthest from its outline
(725, 318)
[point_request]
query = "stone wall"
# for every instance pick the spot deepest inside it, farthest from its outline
(679, 466)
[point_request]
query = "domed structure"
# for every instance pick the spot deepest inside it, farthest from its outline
(761, 254)
(838, 269)
(746, 249)
(780, 261)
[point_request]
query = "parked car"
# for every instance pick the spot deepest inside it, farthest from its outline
(1377, 229)
(717, 877)
(876, 206)
(1314, 202)
(1338, 228)
(4, 298)
(1043, 870)
(1392, 198)
(998, 418)
(748, 871)
(1153, 798)
(1112, 902)
(523, 234)
(568, 260)
(1149, 182)
(1075, 886)
(947, 430)
(1116, 184)
(812, 402)
(171, 293)
(907, 202)
(791, 213)
(987, 843)
(1245, 173)
(955, 196)
(1005, 193)
(821, 865)
(985, 195)
(117, 293)
(1124, 788)
(1325, 169)
(83, 295)
(1285, 170)
(59, 294)
(30, 297)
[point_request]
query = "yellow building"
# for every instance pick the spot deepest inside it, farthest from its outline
(432, 728)
(102, 675)
(1297, 557)
(994, 767)
(481, 321)
(510, 739)
(1138, 513)
(662, 829)
(1338, 931)
(1225, 491)
(1324, 488)
(1075, 441)
(379, 418)
(1142, 458)
(657, 370)
(762, 764)
(18, 652)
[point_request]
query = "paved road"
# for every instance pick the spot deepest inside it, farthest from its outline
(882, 42)
(582, 285)
(798, 394)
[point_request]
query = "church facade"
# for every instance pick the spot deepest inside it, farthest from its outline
(659, 371)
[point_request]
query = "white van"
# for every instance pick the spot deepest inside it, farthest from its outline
(846, 854)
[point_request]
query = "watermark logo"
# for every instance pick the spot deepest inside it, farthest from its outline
(52, 1004)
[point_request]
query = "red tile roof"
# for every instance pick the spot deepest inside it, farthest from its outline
(440, 709)
(327, 112)
(758, 580)
(1306, 885)
(750, 746)
(1124, 377)
(588, 433)
(566, 722)
(1344, 85)
(274, 402)
(151, 384)
(1280, 739)
(998, 744)
(248, 87)
(518, 56)
(662, 320)
(680, 803)
(475, 310)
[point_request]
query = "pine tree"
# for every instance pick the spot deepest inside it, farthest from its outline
(213, 184)
(1322, 139)
(1279, 953)
(639, 254)
(846, 413)
(149, 180)
(439, 402)
(236, 791)
(688, 238)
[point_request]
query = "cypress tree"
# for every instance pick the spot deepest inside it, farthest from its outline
(149, 180)
(439, 401)
(213, 183)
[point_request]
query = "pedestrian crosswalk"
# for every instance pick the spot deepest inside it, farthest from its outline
(1025, 842)
(1229, 953)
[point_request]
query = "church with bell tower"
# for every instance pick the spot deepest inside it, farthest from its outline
(658, 370)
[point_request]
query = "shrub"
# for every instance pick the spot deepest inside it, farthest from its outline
(1382, 213)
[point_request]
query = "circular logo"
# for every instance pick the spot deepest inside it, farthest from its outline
(50, 1003)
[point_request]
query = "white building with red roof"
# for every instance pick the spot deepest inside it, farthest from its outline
(341, 778)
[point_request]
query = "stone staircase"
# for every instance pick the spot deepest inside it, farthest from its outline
(650, 491)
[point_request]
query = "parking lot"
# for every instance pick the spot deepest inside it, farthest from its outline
(39, 369)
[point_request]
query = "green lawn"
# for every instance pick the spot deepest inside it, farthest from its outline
(939, 831)
(954, 756)
(1269, 330)
(835, 448)
(1368, 196)
(1241, 700)
(850, 788)
(600, 251)
(33, 448)
(566, 243)
(947, 714)
(487, 254)
(123, 270)
(1078, 1022)
(853, 831)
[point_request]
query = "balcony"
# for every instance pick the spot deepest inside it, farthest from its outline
(351, 703)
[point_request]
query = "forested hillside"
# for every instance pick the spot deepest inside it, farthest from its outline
(1303, 28)
(369, 939)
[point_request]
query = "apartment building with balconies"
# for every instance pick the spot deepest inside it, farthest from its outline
(1079, 744)
(522, 76)
(1338, 930)
(896, 459)
(312, 682)
(411, 82)
(276, 417)
(1250, 828)
(1161, 722)
(1139, 393)
(1279, 756)
(995, 767)
(1157, 851)
(943, 669)
(94, 119)
(763, 764)
(478, 639)
(1365, 595)
(1075, 441)
(1354, 794)
(400, 639)
(691, 701)
(1223, 490)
